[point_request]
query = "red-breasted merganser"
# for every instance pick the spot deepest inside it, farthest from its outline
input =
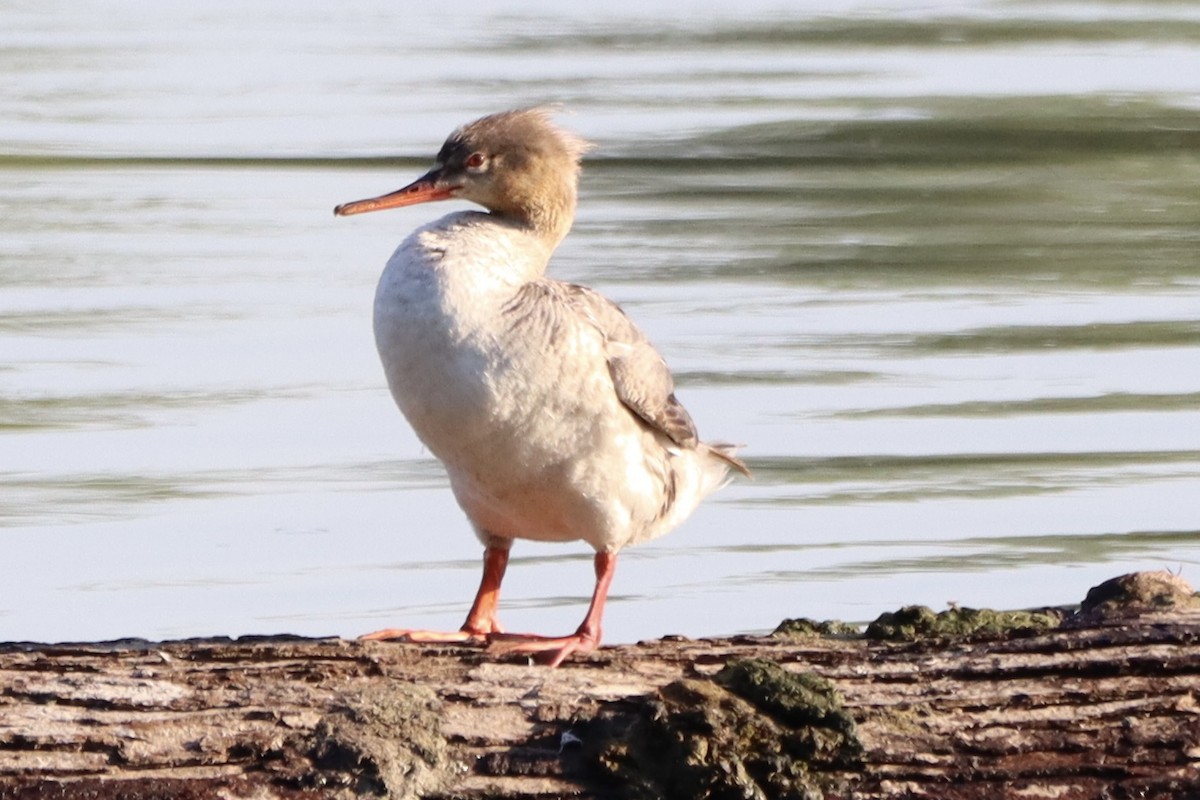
(554, 416)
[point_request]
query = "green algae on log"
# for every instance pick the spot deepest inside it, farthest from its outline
(801, 627)
(754, 730)
(921, 622)
(911, 623)
(1131, 594)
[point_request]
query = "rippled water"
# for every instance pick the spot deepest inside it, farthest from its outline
(937, 268)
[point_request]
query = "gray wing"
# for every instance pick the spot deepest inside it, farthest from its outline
(641, 377)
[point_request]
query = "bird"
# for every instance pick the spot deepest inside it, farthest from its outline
(555, 418)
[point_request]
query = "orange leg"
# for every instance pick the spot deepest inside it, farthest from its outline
(556, 648)
(481, 621)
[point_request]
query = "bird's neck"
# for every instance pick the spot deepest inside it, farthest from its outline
(479, 253)
(552, 221)
(546, 209)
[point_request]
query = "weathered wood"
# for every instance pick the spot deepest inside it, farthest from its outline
(1108, 705)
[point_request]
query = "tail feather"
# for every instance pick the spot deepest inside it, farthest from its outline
(691, 475)
(727, 453)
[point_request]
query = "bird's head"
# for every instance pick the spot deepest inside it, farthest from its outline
(516, 164)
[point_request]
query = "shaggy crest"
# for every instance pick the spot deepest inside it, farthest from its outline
(521, 129)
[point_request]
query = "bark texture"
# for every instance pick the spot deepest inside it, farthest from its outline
(1102, 703)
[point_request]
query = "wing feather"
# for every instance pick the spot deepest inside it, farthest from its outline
(640, 376)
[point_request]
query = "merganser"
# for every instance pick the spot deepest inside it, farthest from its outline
(555, 418)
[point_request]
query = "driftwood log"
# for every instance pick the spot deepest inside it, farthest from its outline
(1099, 703)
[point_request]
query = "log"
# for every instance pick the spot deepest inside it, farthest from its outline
(1103, 701)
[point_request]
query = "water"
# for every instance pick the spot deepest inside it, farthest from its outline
(936, 267)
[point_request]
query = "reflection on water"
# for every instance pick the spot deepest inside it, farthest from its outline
(936, 269)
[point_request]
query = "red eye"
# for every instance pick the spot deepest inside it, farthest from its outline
(475, 160)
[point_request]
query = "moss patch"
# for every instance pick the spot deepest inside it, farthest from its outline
(921, 622)
(805, 628)
(383, 742)
(756, 730)
(1139, 592)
